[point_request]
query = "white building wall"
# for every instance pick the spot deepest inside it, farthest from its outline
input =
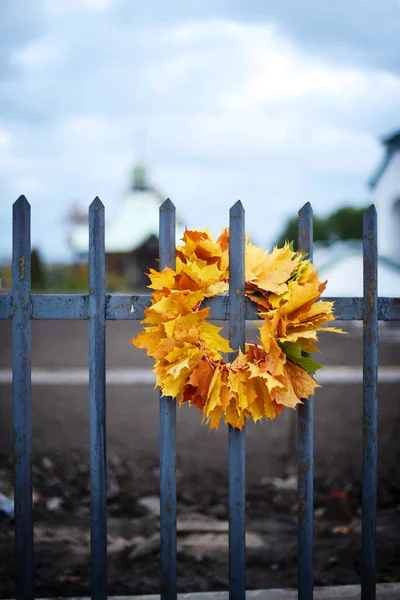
(387, 193)
(345, 278)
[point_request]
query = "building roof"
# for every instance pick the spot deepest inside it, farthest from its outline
(136, 220)
(392, 145)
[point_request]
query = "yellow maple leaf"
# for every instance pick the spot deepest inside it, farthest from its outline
(212, 340)
(223, 240)
(201, 377)
(277, 268)
(177, 304)
(160, 280)
(237, 384)
(254, 262)
(300, 296)
(169, 385)
(233, 417)
(165, 347)
(303, 384)
(287, 396)
(264, 398)
(214, 417)
(176, 369)
(149, 339)
(213, 393)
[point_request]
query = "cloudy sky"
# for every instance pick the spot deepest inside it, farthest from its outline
(275, 103)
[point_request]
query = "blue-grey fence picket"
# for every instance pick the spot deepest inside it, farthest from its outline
(21, 306)
(305, 450)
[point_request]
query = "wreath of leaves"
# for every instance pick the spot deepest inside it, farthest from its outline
(189, 351)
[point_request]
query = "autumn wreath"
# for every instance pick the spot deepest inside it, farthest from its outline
(188, 350)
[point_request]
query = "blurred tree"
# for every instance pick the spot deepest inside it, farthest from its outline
(346, 223)
(343, 224)
(38, 279)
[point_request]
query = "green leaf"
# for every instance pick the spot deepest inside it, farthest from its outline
(294, 353)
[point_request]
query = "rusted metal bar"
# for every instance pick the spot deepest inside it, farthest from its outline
(97, 401)
(167, 434)
(22, 411)
(237, 448)
(131, 308)
(305, 450)
(370, 406)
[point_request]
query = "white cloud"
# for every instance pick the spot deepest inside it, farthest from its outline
(58, 7)
(41, 54)
(230, 110)
(5, 138)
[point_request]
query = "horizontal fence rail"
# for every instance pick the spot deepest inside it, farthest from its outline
(122, 307)
(97, 307)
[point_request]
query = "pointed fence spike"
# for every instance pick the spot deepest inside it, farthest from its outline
(370, 210)
(96, 204)
(306, 210)
(21, 200)
(237, 208)
(305, 230)
(167, 205)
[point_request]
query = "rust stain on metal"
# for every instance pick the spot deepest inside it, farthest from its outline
(303, 469)
(21, 399)
(22, 266)
(169, 509)
(301, 510)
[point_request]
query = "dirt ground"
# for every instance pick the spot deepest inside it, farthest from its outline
(61, 530)
(61, 478)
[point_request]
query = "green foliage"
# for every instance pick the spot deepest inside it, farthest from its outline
(346, 223)
(74, 279)
(67, 279)
(5, 278)
(61, 278)
(343, 224)
(294, 353)
(38, 279)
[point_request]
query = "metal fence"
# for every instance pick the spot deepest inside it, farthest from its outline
(97, 307)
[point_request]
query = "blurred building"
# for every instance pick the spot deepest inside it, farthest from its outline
(131, 238)
(342, 263)
(385, 184)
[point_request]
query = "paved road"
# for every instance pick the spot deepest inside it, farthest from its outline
(61, 420)
(64, 344)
